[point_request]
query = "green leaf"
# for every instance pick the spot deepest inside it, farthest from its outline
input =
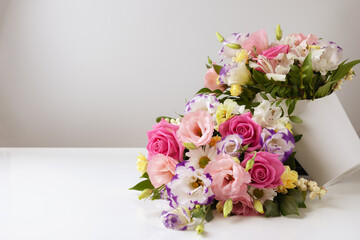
(271, 209)
(295, 119)
(298, 137)
(142, 185)
(288, 205)
(145, 175)
(287, 102)
(324, 90)
(198, 213)
(298, 196)
(263, 95)
(209, 215)
(203, 90)
(217, 68)
(292, 107)
(278, 103)
(291, 161)
(343, 70)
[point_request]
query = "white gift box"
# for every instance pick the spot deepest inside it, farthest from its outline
(330, 148)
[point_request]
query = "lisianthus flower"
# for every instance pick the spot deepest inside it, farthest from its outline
(266, 171)
(258, 40)
(235, 73)
(161, 169)
(229, 178)
(204, 102)
(244, 126)
(178, 218)
(196, 127)
(200, 157)
(189, 187)
(262, 194)
(265, 115)
(210, 80)
(231, 145)
(163, 140)
(280, 142)
(237, 38)
(227, 110)
(326, 57)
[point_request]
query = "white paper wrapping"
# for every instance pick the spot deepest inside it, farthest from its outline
(330, 148)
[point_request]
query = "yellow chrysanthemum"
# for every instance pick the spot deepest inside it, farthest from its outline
(289, 178)
(224, 111)
(214, 140)
(141, 163)
(241, 56)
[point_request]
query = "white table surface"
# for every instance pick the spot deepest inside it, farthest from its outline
(83, 194)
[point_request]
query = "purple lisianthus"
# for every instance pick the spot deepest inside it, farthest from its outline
(281, 142)
(204, 102)
(178, 218)
(189, 187)
(230, 145)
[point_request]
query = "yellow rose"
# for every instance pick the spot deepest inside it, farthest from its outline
(141, 163)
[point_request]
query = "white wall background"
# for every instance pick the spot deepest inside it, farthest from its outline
(86, 73)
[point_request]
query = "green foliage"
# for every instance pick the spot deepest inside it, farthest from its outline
(271, 209)
(295, 119)
(142, 185)
(287, 205)
(298, 137)
(292, 106)
(209, 215)
(291, 161)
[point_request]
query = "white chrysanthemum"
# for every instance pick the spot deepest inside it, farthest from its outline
(200, 157)
(262, 194)
(265, 115)
(189, 187)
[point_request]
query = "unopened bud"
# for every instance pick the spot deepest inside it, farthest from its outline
(322, 192)
(316, 190)
(228, 206)
(278, 32)
(219, 37)
(258, 206)
(233, 45)
(200, 229)
(219, 207)
(303, 187)
(145, 194)
(190, 146)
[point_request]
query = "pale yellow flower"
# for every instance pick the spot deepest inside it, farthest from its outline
(225, 111)
(141, 163)
(235, 90)
(241, 56)
(289, 179)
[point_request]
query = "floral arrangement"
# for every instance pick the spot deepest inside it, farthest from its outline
(233, 149)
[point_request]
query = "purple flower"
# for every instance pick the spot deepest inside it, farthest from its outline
(281, 142)
(230, 145)
(189, 187)
(179, 218)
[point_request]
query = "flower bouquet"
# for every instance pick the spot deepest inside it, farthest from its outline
(233, 149)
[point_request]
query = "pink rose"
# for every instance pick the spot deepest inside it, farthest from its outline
(210, 80)
(229, 178)
(244, 206)
(161, 169)
(196, 127)
(257, 39)
(162, 140)
(244, 126)
(272, 52)
(266, 171)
